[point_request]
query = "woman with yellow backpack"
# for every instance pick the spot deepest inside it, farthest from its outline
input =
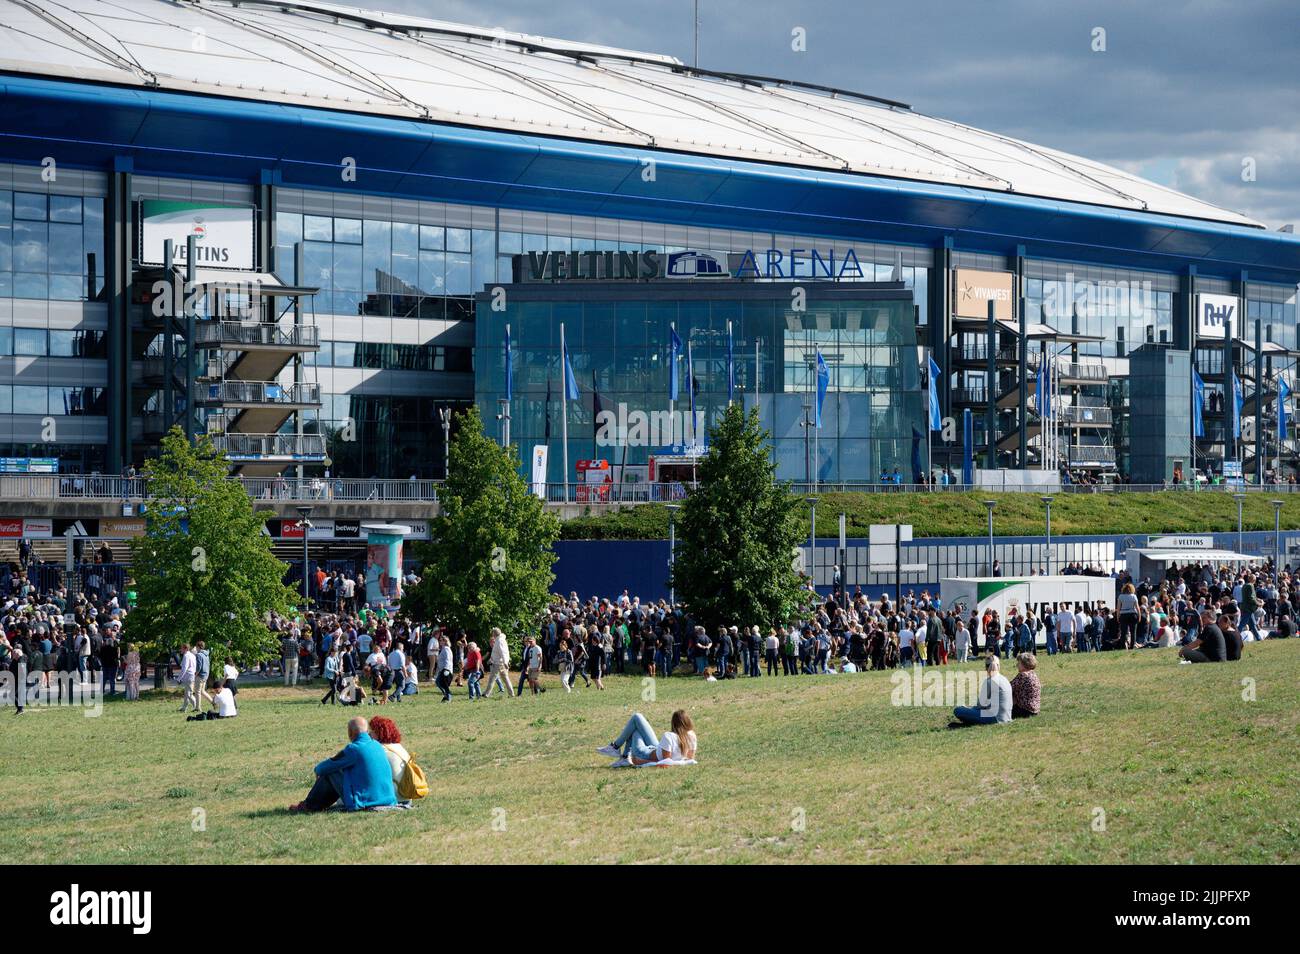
(408, 778)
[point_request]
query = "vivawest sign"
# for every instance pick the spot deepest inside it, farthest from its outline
(690, 264)
(974, 289)
(224, 234)
(1213, 312)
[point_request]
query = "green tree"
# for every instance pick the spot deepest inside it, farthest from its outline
(488, 560)
(204, 567)
(736, 533)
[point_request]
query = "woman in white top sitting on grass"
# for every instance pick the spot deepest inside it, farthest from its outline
(384, 731)
(638, 745)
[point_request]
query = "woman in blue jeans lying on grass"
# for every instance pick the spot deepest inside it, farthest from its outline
(638, 745)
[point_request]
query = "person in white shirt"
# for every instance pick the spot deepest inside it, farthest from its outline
(189, 669)
(1065, 629)
(223, 707)
(963, 641)
(499, 662)
(905, 648)
(637, 744)
(1081, 623)
(995, 699)
(442, 674)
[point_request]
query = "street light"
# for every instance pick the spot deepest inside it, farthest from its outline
(990, 504)
(672, 553)
(1277, 537)
(812, 535)
(1239, 498)
(305, 524)
(1047, 500)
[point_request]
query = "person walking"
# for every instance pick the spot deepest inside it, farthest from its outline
(131, 673)
(500, 664)
(444, 663)
(186, 678)
(202, 670)
(289, 657)
(473, 670)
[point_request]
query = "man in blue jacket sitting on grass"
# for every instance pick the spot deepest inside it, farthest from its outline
(359, 775)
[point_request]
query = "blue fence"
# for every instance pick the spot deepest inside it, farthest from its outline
(607, 567)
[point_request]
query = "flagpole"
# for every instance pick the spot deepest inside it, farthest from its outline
(731, 365)
(929, 460)
(672, 371)
(505, 421)
(564, 410)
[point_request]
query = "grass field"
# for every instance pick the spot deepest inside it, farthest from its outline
(1184, 769)
(963, 514)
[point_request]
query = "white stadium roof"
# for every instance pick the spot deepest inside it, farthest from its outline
(343, 58)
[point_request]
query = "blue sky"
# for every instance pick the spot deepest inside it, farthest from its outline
(1184, 93)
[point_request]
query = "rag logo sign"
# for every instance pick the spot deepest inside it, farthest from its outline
(94, 908)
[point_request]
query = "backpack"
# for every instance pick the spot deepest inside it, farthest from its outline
(412, 785)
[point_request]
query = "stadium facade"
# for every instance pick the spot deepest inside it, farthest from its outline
(373, 198)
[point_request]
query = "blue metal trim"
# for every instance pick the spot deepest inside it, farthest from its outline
(177, 134)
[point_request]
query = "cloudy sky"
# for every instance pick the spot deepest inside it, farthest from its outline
(1185, 93)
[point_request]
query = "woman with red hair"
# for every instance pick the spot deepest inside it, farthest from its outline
(384, 731)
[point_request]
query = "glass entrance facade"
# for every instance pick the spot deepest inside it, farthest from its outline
(617, 336)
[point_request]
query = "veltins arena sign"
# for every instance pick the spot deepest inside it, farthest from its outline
(224, 233)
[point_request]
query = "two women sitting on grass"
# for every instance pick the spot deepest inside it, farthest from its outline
(637, 744)
(360, 775)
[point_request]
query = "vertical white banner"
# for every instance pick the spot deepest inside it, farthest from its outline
(539, 470)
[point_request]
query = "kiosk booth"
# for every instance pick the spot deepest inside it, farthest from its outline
(1152, 561)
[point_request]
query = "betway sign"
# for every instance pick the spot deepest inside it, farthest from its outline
(771, 263)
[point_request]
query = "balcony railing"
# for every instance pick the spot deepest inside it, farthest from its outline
(253, 334)
(1078, 371)
(261, 392)
(1091, 454)
(96, 487)
(260, 446)
(1100, 416)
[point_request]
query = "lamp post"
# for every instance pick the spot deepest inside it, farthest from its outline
(991, 504)
(1240, 498)
(672, 553)
(1277, 537)
(1047, 501)
(812, 537)
(305, 524)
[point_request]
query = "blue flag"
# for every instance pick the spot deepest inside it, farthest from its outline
(674, 349)
(1198, 405)
(1283, 397)
(823, 382)
(1043, 392)
(1237, 402)
(936, 419)
(570, 382)
(731, 366)
(967, 447)
(510, 371)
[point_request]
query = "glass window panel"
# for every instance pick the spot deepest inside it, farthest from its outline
(432, 273)
(318, 228)
(458, 274)
(347, 230)
(28, 205)
(431, 237)
(377, 253)
(458, 240)
(31, 246)
(6, 341)
(29, 341)
(30, 400)
(65, 249)
(65, 208)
